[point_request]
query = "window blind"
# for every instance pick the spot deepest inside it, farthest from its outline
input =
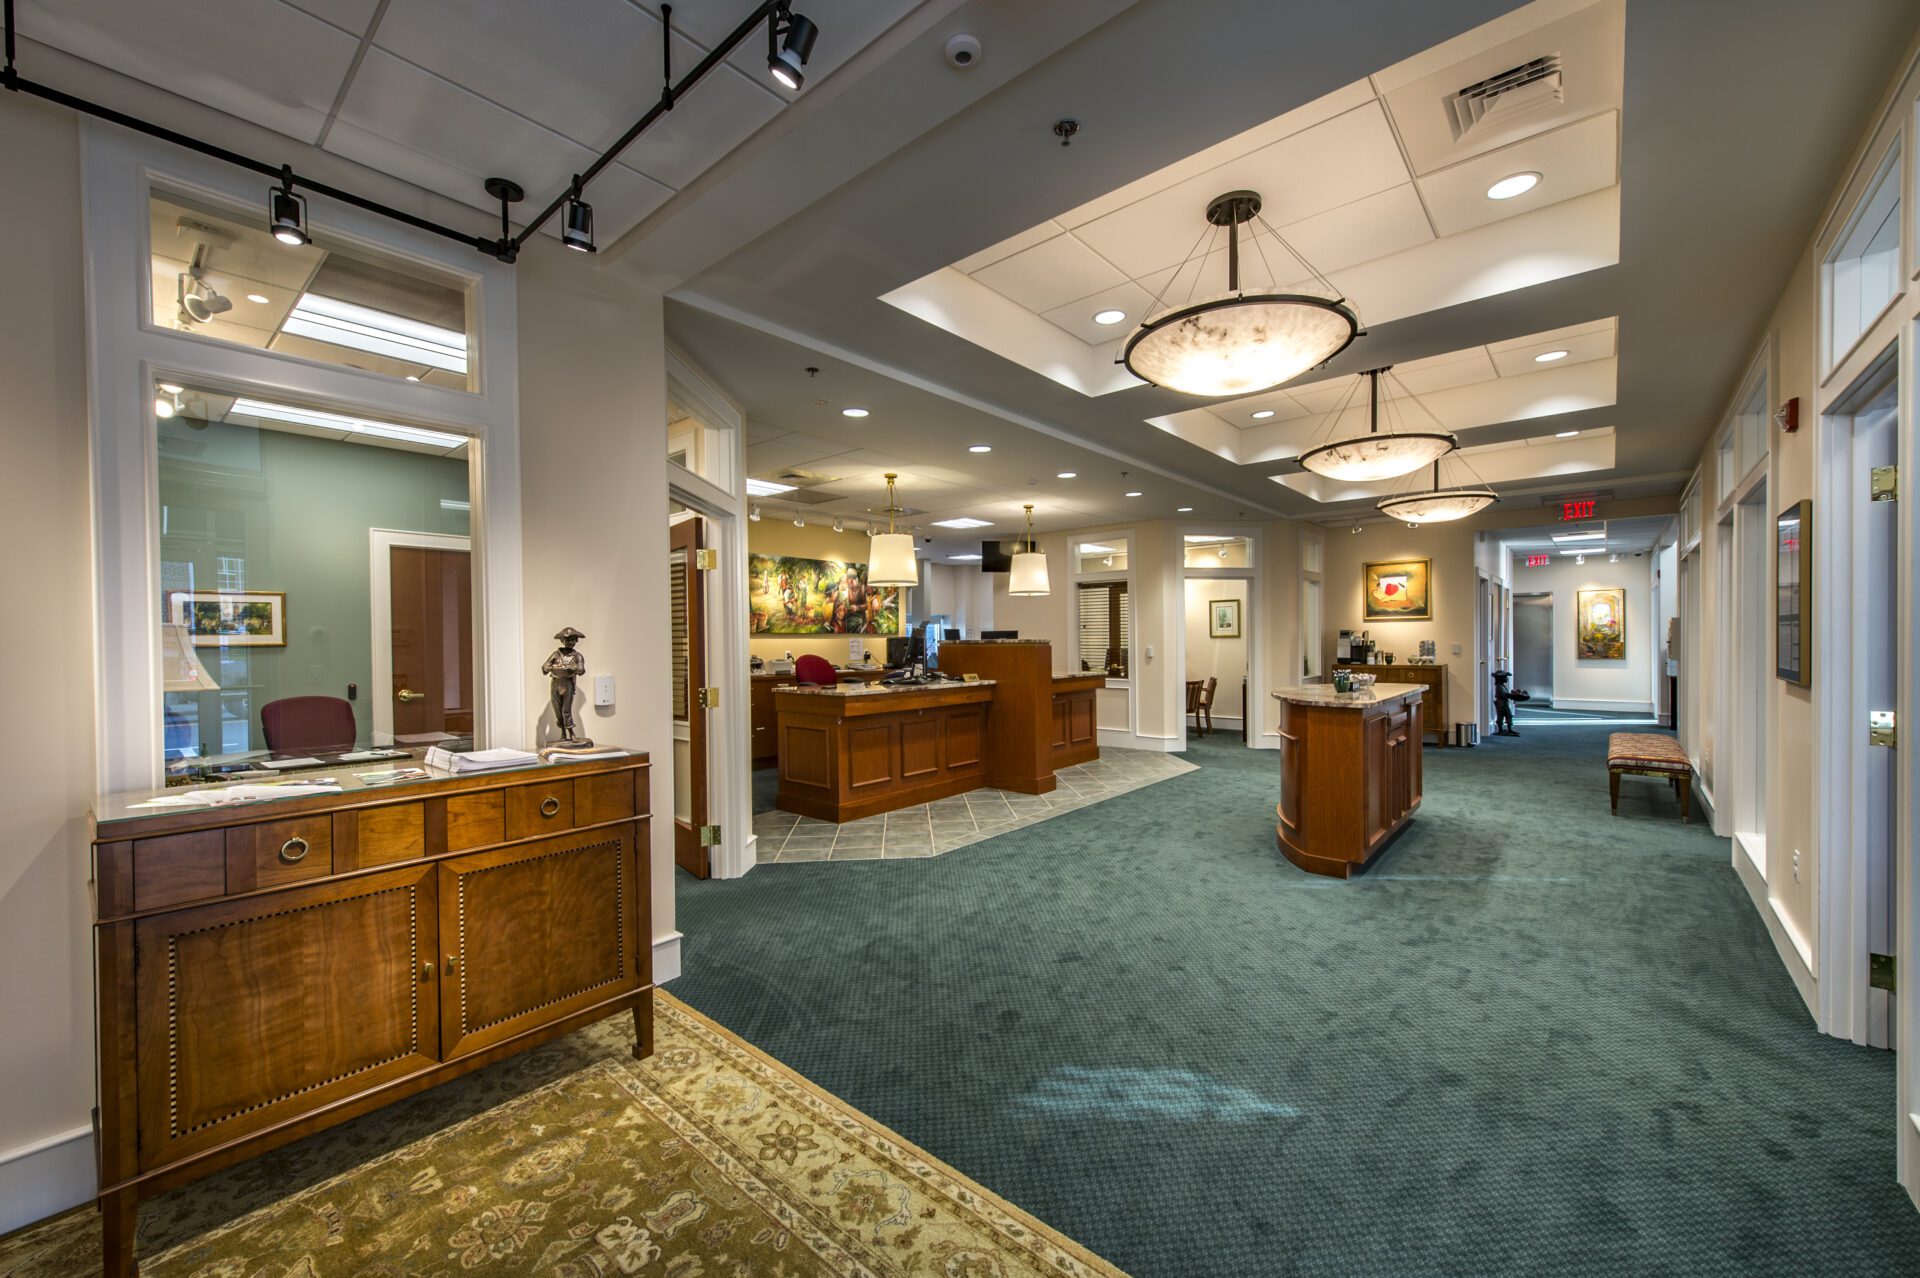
(1106, 628)
(681, 650)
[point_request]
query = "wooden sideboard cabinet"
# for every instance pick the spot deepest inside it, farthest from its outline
(1350, 774)
(1433, 713)
(269, 970)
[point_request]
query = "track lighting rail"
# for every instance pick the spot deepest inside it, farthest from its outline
(776, 13)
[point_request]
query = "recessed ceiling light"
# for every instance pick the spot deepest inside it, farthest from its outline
(349, 425)
(979, 448)
(965, 559)
(413, 377)
(1508, 187)
(362, 328)
(1108, 317)
(1184, 510)
(766, 488)
(1547, 357)
(258, 299)
(1068, 474)
(1263, 414)
(963, 522)
(853, 412)
(1579, 536)
(1133, 494)
(1565, 434)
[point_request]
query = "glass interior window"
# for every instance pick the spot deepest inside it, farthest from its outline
(696, 443)
(1862, 270)
(1100, 554)
(218, 273)
(1216, 550)
(302, 551)
(1751, 424)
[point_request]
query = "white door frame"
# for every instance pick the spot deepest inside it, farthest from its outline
(1250, 614)
(380, 542)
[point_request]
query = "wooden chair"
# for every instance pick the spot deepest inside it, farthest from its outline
(1202, 708)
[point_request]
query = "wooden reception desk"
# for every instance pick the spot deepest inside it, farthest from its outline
(1349, 773)
(852, 751)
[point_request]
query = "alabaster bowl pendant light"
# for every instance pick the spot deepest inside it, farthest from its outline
(1377, 454)
(1438, 505)
(1028, 576)
(890, 560)
(1238, 343)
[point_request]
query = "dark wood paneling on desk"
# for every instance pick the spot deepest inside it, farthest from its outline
(1350, 779)
(847, 757)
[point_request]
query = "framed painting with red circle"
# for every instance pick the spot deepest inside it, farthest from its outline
(1398, 590)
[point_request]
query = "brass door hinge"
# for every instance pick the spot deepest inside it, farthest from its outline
(1880, 972)
(706, 560)
(707, 698)
(1883, 483)
(1881, 728)
(709, 836)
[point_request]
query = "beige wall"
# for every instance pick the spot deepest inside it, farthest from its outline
(1453, 549)
(47, 758)
(774, 535)
(1210, 658)
(1600, 684)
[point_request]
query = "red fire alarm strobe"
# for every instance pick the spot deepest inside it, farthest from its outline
(1788, 418)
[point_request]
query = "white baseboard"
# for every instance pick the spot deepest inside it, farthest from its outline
(1121, 739)
(666, 957)
(1787, 942)
(46, 1177)
(1609, 707)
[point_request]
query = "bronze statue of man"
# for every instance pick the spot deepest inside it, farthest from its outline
(566, 667)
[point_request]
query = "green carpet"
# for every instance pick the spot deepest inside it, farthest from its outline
(1533, 1039)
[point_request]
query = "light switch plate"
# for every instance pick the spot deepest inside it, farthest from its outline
(603, 690)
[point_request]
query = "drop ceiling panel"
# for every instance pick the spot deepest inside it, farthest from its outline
(349, 15)
(1008, 247)
(1370, 227)
(1050, 274)
(198, 58)
(1573, 161)
(1432, 375)
(846, 27)
(1349, 157)
(1518, 361)
(1076, 317)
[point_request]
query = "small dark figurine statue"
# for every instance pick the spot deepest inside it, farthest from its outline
(566, 666)
(1503, 704)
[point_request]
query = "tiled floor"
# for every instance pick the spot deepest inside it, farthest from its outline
(933, 828)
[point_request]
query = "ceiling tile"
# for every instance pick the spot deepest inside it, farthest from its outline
(1518, 360)
(1077, 316)
(1331, 164)
(1432, 375)
(1371, 227)
(1573, 161)
(1008, 247)
(348, 15)
(266, 63)
(1050, 274)
(415, 125)
(1264, 264)
(846, 27)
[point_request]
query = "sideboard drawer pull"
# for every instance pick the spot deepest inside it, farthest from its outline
(293, 850)
(549, 806)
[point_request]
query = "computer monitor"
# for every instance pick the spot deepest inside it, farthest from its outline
(949, 633)
(999, 634)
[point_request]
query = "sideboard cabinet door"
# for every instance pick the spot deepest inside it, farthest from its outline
(257, 1010)
(535, 932)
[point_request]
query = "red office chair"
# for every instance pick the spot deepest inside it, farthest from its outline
(297, 724)
(817, 671)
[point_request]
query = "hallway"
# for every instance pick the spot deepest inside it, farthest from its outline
(1533, 1038)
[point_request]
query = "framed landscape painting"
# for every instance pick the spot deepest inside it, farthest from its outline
(792, 596)
(1223, 619)
(1600, 624)
(231, 618)
(1398, 590)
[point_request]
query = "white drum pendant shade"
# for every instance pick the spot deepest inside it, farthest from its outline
(1029, 574)
(1239, 345)
(1438, 506)
(890, 560)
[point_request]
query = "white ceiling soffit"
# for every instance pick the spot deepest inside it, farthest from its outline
(1481, 386)
(1378, 185)
(1618, 536)
(1503, 463)
(445, 93)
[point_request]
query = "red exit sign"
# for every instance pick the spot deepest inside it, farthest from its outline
(1539, 561)
(1578, 509)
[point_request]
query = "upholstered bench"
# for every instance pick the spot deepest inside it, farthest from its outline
(1649, 754)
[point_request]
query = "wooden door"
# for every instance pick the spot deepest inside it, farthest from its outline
(535, 932)
(689, 679)
(252, 1011)
(431, 595)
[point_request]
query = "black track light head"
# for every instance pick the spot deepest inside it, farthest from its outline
(796, 36)
(576, 231)
(287, 216)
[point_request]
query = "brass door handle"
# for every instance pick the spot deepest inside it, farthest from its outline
(287, 852)
(408, 694)
(549, 806)
(448, 966)
(426, 973)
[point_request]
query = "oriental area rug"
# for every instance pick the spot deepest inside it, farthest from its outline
(708, 1160)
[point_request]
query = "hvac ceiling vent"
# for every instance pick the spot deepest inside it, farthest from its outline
(1529, 87)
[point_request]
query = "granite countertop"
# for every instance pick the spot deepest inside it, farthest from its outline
(878, 689)
(1322, 694)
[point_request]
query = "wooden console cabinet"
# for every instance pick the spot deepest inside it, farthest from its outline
(1350, 774)
(1433, 706)
(269, 970)
(766, 721)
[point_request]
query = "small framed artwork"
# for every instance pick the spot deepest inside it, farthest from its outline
(1398, 590)
(1223, 619)
(1793, 593)
(231, 618)
(1600, 624)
